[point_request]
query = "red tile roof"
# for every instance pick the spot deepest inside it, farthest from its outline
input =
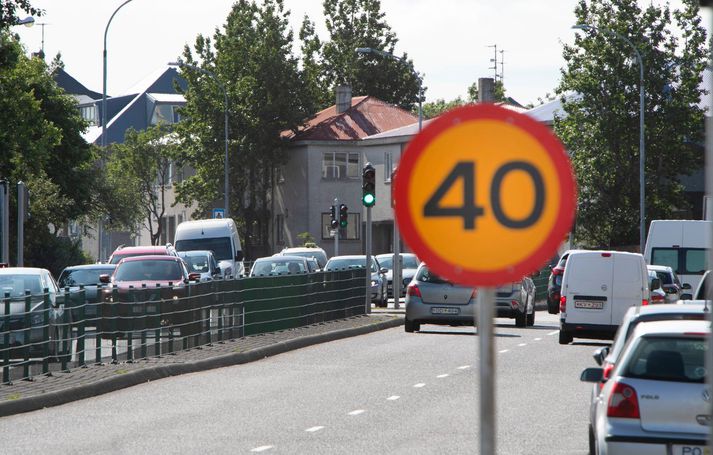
(367, 116)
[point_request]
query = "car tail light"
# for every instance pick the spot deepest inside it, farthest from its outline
(605, 374)
(606, 255)
(556, 295)
(557, 271)
(656, 299)
(623, 402)
(413, 290)
(644, 302)
(513, 304)
(563, 304)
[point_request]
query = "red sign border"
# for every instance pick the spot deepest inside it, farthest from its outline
(560, 160)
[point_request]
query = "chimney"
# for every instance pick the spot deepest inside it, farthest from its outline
(344, 98)
(486, 90)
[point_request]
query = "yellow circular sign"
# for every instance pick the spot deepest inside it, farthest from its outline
(484, 195)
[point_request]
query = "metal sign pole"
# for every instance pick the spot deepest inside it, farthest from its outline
(485, 303)
(709, 289)
(4, 222)
(336, 231)
(396, 273)
(20, 224)
(368, 260)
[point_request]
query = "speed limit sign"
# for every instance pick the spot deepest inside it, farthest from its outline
(484, 195)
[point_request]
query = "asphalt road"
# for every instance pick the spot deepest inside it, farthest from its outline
(386, 392)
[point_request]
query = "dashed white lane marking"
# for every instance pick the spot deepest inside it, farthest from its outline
(538, 339)
(504, 351)
(419, 385)
(356, 412)
(314, 429)
(464, 367)
(441, 376)
(522, 344)
(393, 398)
(553, 333)
(262, 448)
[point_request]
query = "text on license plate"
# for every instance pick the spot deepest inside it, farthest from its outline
(440, 310)
(588, 304)
(690, 450)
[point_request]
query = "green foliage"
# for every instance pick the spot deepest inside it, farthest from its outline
(41, 144)
(252, 56)
(438, 107)
(138, 174)
(600, 93)
(352, 24)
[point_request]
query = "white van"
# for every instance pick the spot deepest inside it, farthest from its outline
(681, 245)
(598, 287)
(218, 235)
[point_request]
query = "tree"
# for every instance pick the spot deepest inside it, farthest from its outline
(139, 172)
(600, 95)
(252, 56)
(352, 24)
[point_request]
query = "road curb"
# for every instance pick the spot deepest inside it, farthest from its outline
(154, 373)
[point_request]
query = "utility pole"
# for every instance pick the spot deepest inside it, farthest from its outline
(4, 221)
(21, 215)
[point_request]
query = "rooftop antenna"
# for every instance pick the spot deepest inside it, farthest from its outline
(502, 66)
(494, 61)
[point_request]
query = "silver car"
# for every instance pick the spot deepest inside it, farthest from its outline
(517, 301)
(656, 400)
(669, 282)
(409, 265)
(431, 299)
(203, 262)
(378, 282)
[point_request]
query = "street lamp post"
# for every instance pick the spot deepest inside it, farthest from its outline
(29, 21)
(642, 148)
(396, 267)
(226, 164)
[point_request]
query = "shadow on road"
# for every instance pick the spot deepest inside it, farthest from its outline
(445, 332)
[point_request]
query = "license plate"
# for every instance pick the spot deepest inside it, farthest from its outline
(588, 304)
(439, 310)
(690, 450)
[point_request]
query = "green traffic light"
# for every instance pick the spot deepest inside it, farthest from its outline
(369, 200)
(343, 224)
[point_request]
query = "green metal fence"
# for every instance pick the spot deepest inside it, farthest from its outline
(41, 333)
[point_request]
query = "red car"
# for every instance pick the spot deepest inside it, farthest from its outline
(166, 281)
(131, 251)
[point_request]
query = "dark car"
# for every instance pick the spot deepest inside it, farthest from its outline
(166, 280)
(87, 276)
(15, 282)
(554, 284)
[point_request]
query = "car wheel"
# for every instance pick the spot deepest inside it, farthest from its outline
(592, 449)
(565, 337)
(531, 318)
(411, 326)
(553, 307)
(521, 320)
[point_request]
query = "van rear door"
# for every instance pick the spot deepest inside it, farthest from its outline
(628, 287)
(588, 279)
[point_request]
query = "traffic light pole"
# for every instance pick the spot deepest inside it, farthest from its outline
(336, 232)
(368, 260)
(21, 224)
(5, 221)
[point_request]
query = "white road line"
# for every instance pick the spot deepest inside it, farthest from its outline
(393, 398)
(522, 344)
(262, 448)
(356, 412)
(419, 385)
(538, 339)
(553, 333)
(464, 367)
(314, 429)
(441, 376)
(504, 351)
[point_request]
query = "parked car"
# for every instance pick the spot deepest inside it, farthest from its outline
(517, 301)
(309, 252)
(166, 279)
(14, 282)
(658, 295)
(669, 282)
(203, 262)
(656, 398)
(122, 252)
(431, 299)
(279, 265)
(409, 265)
(218, 235)
(597, 289)
(378, 281)
(86, 276)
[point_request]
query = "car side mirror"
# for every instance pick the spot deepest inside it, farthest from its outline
(217, 271)
(686, 296)
(383, 270)
(601, 354)
(194, 276)
(686, 286)
(592, 375)
(104, 278)
(239, 255)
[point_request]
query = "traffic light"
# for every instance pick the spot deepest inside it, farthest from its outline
(368, 186)
(343, 216)
(334, 222)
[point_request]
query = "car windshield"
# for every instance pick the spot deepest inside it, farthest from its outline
(15, 285)
(197, 264)
(220, 246)
(665, 277)
(81, 277)
(673, 359)
(276, 267)
(426, 276)
(150, 270)
(349, 263)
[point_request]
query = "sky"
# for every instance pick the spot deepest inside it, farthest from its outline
(449, 40)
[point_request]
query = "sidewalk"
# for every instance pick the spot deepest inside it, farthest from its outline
(96, 379)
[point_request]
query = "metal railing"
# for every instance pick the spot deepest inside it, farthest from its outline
(46, 333)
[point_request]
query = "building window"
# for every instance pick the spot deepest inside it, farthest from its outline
(280, 229)
(351, 232)
(89, 113)
(165, 114)
(388, 166)
(340, 165)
